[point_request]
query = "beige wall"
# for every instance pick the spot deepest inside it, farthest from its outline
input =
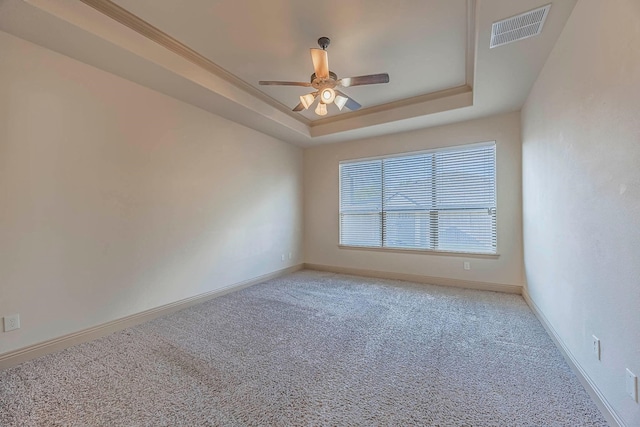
(321, 203)
(115, 199)
(581, 178)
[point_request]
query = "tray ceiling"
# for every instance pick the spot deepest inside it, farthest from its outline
(422, 45)
(213, 53)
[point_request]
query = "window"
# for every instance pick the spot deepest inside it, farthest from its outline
(440, 200)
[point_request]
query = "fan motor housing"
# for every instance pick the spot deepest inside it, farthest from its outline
(322, 83)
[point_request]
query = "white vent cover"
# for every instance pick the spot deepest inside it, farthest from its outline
(518, 27)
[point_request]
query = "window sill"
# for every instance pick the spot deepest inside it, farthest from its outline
(422, 252)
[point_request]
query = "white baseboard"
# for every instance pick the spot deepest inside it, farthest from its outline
(442, 281)
(21, 355)
(590, 386)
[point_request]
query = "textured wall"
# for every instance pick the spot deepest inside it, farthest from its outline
(321, 203)
(581, 187)
(115, 199)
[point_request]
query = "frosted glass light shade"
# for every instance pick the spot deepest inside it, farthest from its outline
(307, 100)
(321, 109)
(327, 95)
(340, 102)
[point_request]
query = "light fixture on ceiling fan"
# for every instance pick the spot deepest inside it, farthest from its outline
(326, 81)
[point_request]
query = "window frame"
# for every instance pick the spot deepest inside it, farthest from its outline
(382, 248)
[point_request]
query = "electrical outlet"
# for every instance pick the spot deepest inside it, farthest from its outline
(11, 322)
(282, 257)
(467, 265)
(595, 346)
(632, 385)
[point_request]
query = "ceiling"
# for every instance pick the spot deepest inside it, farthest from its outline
(271, 41)
(213, 53)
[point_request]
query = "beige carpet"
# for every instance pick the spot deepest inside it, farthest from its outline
(312, 349)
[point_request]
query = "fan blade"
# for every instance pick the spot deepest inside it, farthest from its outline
(299, 107)
(320, 63)
(351, 103)
(371, 79)
(272, 83)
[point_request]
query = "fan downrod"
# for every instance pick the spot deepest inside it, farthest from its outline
(324, 42)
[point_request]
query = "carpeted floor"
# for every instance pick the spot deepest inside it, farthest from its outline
(312, 349)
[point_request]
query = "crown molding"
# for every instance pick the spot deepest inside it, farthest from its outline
(431, 103)
(472, 37)
(415, 100)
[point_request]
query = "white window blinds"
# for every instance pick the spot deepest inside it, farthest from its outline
(441, 200)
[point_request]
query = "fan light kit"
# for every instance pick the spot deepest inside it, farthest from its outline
(325, 82)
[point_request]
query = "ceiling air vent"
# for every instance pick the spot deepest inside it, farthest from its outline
(518, 27)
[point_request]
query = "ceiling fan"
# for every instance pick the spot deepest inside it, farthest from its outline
(325, 82)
